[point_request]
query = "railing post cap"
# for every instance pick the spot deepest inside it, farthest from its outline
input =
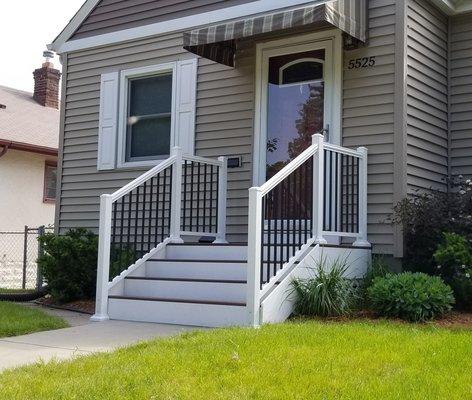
(362, 149)
(175, 150)
(317, 138)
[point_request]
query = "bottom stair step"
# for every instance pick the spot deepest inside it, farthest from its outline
(177, 311)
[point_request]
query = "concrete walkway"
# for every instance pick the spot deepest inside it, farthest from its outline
(82, 338)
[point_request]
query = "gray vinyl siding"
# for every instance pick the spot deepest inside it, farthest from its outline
(461, 95)
(224, 122)
(368, 116)
(427, 102)
(114, 15)
(224, 126)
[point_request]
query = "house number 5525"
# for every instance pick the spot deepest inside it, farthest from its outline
(363, 62)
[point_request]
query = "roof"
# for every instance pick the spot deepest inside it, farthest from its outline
(27, 122)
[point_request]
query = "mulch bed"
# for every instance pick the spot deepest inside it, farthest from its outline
(456, 320)
(82, 306)
(453, 320)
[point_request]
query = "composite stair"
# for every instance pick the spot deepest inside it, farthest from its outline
(194, 284)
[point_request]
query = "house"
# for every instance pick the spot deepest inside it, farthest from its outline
(29, 137)
(282, 130)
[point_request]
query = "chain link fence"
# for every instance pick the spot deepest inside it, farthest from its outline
(19, 252)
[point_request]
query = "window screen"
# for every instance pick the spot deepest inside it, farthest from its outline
(149, 117)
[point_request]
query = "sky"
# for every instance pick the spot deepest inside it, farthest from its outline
(26, 26)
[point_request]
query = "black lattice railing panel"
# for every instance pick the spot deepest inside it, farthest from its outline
(200, 191)
(140, 221)
(287, 219)
(341, 192)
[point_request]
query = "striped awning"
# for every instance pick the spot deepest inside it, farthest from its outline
(218, 42)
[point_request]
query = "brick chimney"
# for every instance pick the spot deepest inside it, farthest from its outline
(46, 84)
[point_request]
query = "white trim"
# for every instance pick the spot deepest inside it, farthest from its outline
(451, 7)
(331, 42)
(125, 76)
(73, 24)
(62, 45)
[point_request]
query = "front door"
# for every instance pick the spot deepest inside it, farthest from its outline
(295, 99)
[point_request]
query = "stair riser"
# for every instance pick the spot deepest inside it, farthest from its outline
(176, 313)
(196, 270)
(191, 291)
(206, 252)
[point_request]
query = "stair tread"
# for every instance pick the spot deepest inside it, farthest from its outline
(209, 244)
(199, 261)
(170, 300)
(197, 280)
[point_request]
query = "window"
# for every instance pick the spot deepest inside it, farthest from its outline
(147, 104)
(149, 117)
(50, 178)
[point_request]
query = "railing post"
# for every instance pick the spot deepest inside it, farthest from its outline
(176, 196)
(362, 238)
(254, 257)
(103, 264)
(222, 193)
(318, 189)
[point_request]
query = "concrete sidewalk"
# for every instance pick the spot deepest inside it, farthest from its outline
(82, 338)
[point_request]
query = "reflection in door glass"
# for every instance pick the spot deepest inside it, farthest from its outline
(295, 106)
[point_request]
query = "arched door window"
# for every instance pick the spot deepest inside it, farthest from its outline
(304, 70)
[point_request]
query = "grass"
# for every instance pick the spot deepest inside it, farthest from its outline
(298, 360)
(19, 320)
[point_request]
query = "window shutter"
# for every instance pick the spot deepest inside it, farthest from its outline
(107, 128)
(186, 104)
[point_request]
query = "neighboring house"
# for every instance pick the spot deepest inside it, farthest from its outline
(253, 81)
(29, 137)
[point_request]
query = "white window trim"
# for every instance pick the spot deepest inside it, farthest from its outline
(125, 76)
(331, 40)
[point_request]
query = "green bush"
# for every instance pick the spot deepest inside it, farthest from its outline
(424, 217)
(462, 287)
(411, 296)
(328, 294)
(454, 265)
(69, 264)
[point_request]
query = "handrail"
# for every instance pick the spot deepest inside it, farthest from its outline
(143, 178)
(344, 150)
(218, 162)
(288, 169)
(145, 214)
(278, 237)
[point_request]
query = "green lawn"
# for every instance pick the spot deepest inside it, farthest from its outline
(308, 360)
(18, 320)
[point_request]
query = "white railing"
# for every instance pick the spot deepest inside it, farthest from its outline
(322, 192)
(149, 212)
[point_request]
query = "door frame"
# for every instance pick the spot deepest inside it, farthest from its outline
(331, 42)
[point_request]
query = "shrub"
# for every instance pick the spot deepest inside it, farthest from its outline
(377, 269)
(462, 287)
(454, 264)
(411, 296)
(69, 264)
(425, 216)
(328, 294)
